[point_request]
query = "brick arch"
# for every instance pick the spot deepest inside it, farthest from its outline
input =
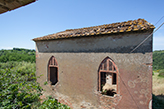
(107, 67)
(53, 75)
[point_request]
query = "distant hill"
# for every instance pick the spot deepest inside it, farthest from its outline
(158, 59)
(17, 54)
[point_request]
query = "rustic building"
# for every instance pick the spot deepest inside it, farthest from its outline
(93, 67)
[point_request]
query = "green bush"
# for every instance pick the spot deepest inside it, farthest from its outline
(161, 73)
(51, 103)
(15, 90)
(19, 89)
(18, 86)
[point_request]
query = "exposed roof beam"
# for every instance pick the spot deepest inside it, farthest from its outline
(8, 5)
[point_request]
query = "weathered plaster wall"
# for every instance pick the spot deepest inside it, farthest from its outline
(121, 43)
(79, 60)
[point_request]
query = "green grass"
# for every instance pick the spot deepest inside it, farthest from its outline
(158, 89)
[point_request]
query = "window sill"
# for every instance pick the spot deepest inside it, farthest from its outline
(115, 95)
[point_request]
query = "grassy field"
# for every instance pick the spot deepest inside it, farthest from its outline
(158, 84)
(158, 91)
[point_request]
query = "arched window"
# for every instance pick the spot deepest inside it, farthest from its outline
(53, 71)
(108, 77)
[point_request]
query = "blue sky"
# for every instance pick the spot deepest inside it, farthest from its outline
(44, 17)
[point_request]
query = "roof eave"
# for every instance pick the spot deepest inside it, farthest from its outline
(13, 4)
(111, 34)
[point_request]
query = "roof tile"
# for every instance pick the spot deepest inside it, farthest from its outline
(123, 27)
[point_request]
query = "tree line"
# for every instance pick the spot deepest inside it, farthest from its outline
(17, 54)
(158, 59)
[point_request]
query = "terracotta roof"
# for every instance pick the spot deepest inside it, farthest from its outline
(8, 5)
(123, 27)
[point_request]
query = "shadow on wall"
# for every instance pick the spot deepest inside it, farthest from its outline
(141, 49)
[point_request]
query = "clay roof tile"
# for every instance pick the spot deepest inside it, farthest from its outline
(120, 27)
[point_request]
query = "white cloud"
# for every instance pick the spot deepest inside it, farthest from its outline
(9, 48)
(6, 48)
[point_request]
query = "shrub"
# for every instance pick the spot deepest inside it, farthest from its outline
(19, 89)
(15, 92)
(52, 103)
(161, 73)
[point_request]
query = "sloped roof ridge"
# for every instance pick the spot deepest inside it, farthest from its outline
(95, 26)
(119, 27)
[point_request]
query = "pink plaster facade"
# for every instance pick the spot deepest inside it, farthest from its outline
(80, 69)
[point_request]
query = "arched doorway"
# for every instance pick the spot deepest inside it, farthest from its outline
(53, 71)
(108, 77)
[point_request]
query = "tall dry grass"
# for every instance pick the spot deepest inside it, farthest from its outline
(158, 84)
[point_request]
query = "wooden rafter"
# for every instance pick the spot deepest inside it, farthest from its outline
(8, 5)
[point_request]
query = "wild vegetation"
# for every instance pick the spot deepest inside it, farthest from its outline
(17, 54)
(158, 60)
(19, 89)
(158, 79)
(18, 86)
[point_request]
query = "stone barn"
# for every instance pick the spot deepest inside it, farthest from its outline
(94, 67)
